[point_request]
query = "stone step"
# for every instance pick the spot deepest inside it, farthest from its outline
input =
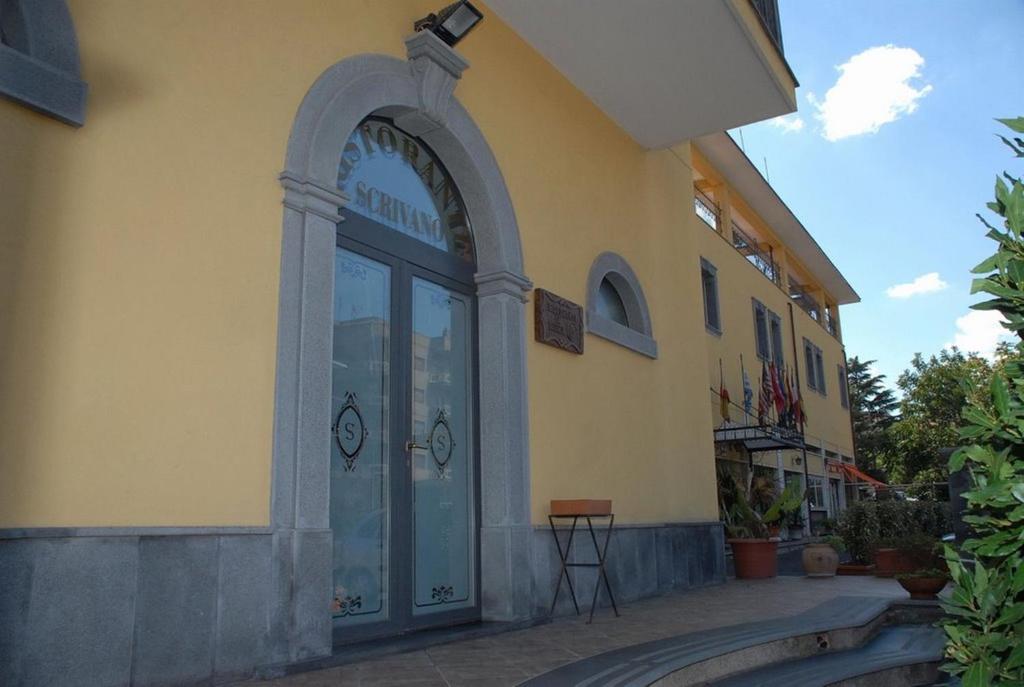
(893, 647)
(840, 623)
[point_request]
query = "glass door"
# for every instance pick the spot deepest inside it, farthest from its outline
(403, 452)
(442, 471)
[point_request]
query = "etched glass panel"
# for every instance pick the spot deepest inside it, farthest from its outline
(442, 471)
(395, 180)
(360, 397)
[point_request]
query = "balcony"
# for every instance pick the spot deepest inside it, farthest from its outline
(763, 260)
(706, 208)
(803, 298)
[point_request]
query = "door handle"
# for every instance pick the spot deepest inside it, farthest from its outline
(411, 444)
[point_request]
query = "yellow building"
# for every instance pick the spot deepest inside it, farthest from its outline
(271, 375)
(771, 311)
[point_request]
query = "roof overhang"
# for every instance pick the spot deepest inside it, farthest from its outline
(664, 70)
(722, 152)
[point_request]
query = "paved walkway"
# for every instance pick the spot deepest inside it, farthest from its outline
(511, 658)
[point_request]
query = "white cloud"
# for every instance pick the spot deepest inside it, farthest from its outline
(788, 124)
(926, 283)
(979, 331)
(874, 88)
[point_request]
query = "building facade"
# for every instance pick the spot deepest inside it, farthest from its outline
(272, 380)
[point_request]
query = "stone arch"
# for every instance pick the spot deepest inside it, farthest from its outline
(417, 94)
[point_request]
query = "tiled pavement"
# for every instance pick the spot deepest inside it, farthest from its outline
(510, 658)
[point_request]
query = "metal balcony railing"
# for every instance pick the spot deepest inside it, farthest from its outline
(769, 13)
(802, 297)
(830, 322)
(706, 208)
(763, 260)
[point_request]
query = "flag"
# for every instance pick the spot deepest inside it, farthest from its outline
(790, 402)
(748, 392)
(776, 391)
(723, 394)
(799, 414)
(764, 397)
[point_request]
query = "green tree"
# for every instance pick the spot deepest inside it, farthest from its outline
(934, 397)
(872, 408)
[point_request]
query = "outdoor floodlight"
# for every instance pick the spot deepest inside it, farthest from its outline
(452, 23)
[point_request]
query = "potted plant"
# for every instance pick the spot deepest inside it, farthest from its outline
(754, 548)
(927, 575)
(857, 528)
(821, 556)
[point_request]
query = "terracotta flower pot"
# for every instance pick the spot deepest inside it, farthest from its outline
(855, 569)
(890, 562)
(755, 558)
(820, 560)
(923, 588)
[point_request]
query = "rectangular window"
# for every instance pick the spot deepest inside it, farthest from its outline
(768, 335)
(709, 283)
(815, 367)
(775, 325)
(819, 369)
(761, 331)
(844, 397)
(815, 492)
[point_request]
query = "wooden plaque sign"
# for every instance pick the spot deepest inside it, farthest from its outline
(557, 321)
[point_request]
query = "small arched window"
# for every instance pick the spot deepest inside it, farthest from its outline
(609, 303)
(616, 307)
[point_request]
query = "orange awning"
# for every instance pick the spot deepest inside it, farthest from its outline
(857, 476)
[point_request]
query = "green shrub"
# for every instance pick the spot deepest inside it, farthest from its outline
(869, 525)
(985, 622)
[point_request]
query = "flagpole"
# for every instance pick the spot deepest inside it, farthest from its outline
(743, 380)
(803, 440)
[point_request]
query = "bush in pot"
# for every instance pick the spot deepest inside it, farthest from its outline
(927, 574)
(858, 528)
(749, 530)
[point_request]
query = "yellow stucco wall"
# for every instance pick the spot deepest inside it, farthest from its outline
(139, 269)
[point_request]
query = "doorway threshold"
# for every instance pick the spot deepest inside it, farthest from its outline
(344, 654)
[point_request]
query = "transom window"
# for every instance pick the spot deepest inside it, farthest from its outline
(394, 179)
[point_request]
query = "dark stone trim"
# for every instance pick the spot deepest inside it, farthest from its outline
(643, 560)
(41, 68)
(69, 532)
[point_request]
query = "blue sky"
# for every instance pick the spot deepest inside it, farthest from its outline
(893, 202)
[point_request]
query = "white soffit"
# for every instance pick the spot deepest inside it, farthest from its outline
(664, 70)
(732, 163)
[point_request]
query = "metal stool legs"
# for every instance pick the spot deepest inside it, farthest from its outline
(602, 553)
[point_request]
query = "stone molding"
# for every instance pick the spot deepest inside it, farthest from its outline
(639, 335)
(436, 68)
(418, 95)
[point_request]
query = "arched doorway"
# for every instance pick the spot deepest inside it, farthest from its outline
(404, 457)
(417, 96)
